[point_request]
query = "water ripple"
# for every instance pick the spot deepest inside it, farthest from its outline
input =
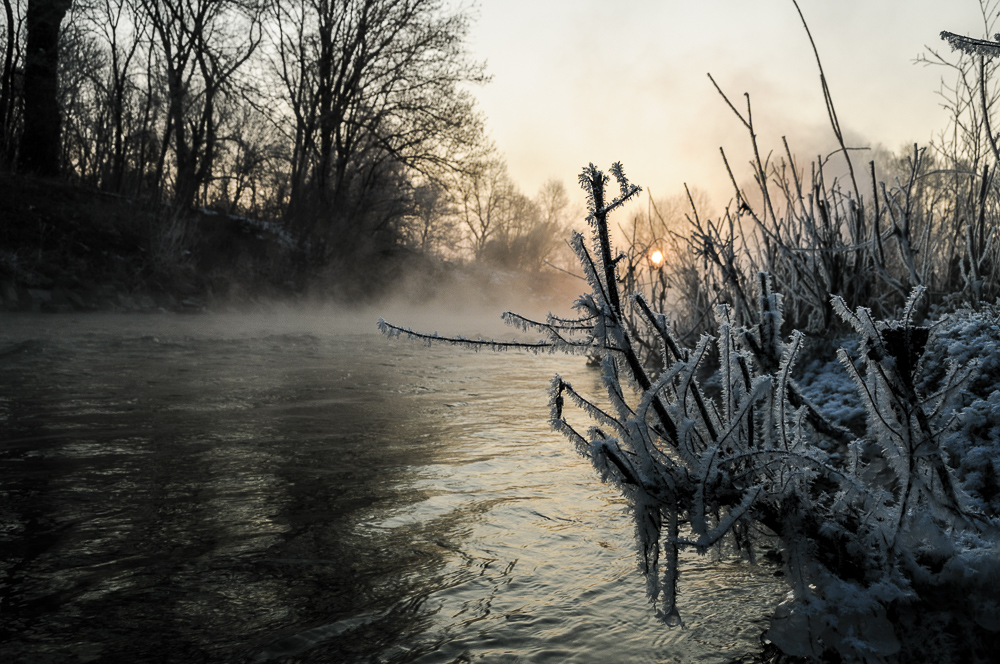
(237, 488)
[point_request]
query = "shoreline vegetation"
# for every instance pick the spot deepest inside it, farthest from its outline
(66, 248)
(889, 530)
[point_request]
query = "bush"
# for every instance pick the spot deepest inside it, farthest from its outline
(887, 556)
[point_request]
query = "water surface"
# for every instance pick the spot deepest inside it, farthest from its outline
(295, 488)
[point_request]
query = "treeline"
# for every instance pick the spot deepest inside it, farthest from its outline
(351, 123)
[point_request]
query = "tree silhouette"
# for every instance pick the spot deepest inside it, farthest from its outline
(40, 142)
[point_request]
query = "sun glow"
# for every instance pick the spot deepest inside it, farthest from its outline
(656, 258)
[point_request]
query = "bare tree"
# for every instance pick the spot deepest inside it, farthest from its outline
(430, 227)
(503, 225)
(122, 28)
(482, 190)
(523, 239)
(368, 82)
(553, 203)
(203, 44)
(253, 153)
(83, 100)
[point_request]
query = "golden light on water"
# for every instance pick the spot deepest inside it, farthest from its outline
(656, 258)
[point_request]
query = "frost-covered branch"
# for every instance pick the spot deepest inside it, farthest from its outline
(983, 47)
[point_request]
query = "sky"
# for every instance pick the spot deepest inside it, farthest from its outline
(580, 81)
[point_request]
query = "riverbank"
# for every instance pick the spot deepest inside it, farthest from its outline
(64, 248)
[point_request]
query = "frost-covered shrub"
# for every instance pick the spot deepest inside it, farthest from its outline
(973, 450)
(961, 338)
(885, 553)
(972, 443)
(825, 383)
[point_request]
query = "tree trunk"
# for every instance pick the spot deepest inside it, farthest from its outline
(40, 141)
(7, 95)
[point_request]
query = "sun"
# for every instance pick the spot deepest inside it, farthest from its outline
(656, 258)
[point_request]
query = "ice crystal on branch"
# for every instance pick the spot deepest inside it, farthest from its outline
(972, 46)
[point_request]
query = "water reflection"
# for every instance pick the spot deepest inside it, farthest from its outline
(238, 489)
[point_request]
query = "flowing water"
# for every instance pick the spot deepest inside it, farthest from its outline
(239, 488)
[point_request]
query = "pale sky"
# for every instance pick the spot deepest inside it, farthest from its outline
(579, 81)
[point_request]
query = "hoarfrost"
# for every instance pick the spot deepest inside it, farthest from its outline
(877, 531)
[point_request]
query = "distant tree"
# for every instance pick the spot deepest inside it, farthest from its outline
(203, 44)
(553, 202)
(503, 225)
(40, 142)
(429, 227)
(83, 100)
(123, 28)
(253, 152)
(537, 226)
(522, 239)
(366, 83)
(482, 191)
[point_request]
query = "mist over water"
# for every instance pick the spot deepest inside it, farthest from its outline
(290, 486)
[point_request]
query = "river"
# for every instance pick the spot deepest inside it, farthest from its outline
(295, 488)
